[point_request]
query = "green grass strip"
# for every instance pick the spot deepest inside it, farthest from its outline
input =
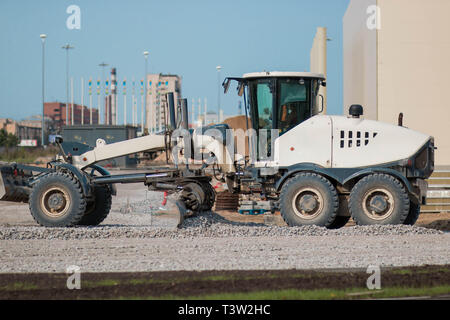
(319, 294)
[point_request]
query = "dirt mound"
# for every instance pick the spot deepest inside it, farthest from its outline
(236, 123)
(443, 225)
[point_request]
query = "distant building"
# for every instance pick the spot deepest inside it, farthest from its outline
(27, 130)
(110, 133)
(56, 111)
(157, 86)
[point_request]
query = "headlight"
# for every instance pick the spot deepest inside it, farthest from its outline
(421, 160)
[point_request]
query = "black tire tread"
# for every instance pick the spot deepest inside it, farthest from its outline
(413, 215)
(99, 214)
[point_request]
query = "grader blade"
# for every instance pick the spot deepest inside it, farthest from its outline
(181, 212)
(13, 185)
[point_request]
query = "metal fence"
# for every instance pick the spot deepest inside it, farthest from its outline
(438, 195)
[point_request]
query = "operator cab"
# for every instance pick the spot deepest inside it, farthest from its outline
(279, 100)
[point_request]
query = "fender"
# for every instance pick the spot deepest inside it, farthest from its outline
(80, 176)
(341, 175)
(395, 173)
(336, 174)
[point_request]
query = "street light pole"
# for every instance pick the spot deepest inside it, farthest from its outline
(43, 36)
(67, 47)
(218, 92)
(145, 53)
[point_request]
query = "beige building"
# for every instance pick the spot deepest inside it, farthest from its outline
(157, 87)
(396, 59)
(24, 130)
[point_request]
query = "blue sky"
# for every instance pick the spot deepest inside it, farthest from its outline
(188, 38)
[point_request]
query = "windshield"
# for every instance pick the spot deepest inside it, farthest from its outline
(261, 113)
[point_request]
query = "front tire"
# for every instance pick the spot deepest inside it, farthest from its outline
(379, 199)
(309, 199)
(57, 200)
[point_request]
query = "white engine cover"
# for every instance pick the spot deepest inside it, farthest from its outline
(310, 141)
(342, 142)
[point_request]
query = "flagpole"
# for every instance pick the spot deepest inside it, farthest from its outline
(90, 101)
(82, 101)
(142, 107)
(71, 94)
(125, 102)
(206, 111)
(133, 103)
(99, 107)
(107, 111)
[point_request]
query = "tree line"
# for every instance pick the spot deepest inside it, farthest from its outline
(8, 139)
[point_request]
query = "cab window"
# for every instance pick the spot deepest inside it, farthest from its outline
(293, 103)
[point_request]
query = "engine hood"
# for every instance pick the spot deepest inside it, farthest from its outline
(360, 143)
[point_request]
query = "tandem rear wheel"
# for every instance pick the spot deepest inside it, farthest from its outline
(380, 199)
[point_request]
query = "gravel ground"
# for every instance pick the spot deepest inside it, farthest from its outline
(208, 242)
(204, 225)
(234, 253)
(137, 237)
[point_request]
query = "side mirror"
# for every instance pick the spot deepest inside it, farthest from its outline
(58, 139)
(323, 83)
(241, 89)
(226, 85)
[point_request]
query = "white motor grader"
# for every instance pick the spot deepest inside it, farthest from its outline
(315, 169)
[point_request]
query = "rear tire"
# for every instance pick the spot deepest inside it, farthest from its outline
(98, 210)
(379, 199)
(309, 199)
(57, 200)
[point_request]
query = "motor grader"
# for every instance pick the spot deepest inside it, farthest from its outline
(315, 169)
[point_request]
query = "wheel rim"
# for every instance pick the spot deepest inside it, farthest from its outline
(55, 202)
(308, 203)
(378, 204)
